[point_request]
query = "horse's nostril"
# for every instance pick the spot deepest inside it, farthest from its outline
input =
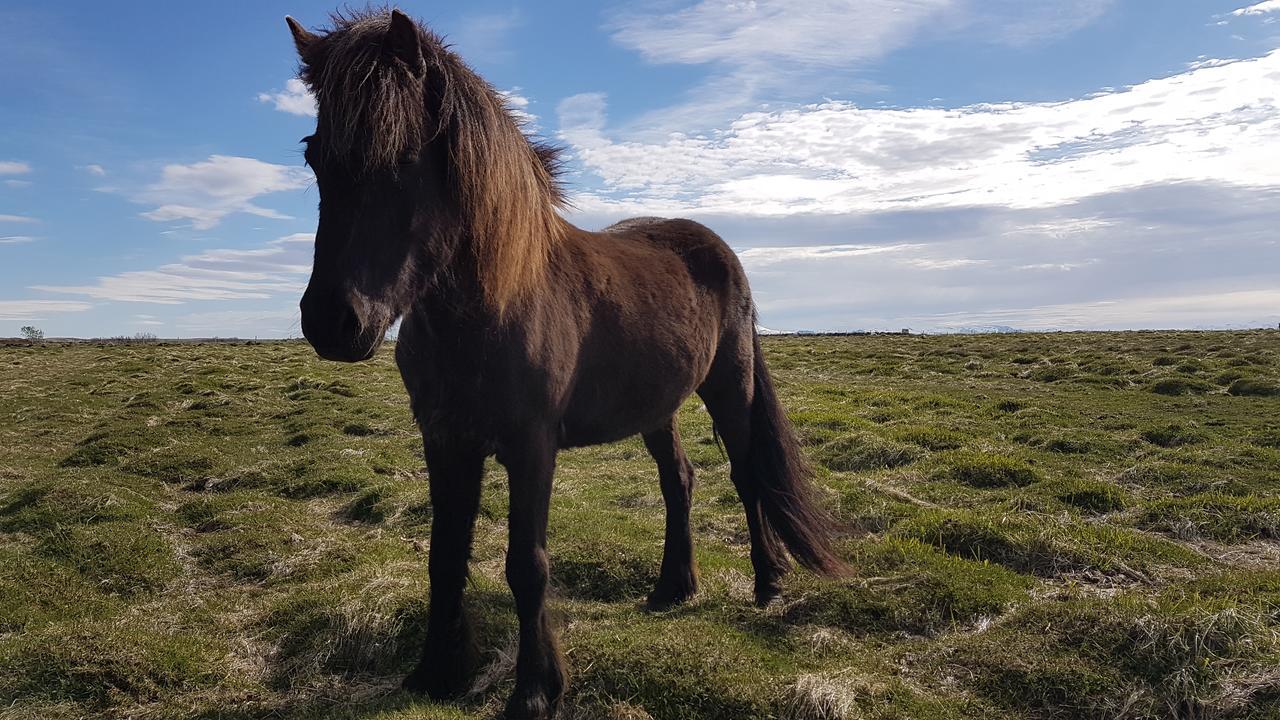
(328, 318)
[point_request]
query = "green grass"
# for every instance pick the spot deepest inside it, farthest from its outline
(1038, 527)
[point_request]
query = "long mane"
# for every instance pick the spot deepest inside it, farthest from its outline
(377, 108)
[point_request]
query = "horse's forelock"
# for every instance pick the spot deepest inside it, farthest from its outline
(372, 104)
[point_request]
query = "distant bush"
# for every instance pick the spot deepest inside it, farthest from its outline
(32, 333)
(139, 338)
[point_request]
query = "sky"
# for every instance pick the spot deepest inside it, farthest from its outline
(939, 165)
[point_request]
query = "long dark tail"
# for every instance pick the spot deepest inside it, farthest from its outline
(785, 481)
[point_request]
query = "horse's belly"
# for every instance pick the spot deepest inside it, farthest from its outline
(629, 399)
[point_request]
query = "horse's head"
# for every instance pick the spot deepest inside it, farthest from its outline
(381, 177)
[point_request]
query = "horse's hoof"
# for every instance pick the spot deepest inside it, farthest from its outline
(768, 597)
(433, 684)
(667, 595)
(529, 706)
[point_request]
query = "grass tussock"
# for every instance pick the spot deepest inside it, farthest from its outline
(863, 451)
(984, 470)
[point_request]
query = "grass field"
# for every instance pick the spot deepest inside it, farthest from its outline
(1042, 526)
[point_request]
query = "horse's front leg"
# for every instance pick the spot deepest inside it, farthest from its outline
(450, 655)
(540, 679)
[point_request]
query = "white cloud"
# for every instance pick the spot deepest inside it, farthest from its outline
(1262, 8)
(17, 219)
(206, 192)
(1218, 124)
(15, 239)
(95, 169)
(281, 266)
(295, 99)
(17, 183)
(39, 309)
(13, 167)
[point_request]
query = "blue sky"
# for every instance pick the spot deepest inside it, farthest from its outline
(933, 164)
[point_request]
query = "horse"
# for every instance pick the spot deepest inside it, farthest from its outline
(522, 334)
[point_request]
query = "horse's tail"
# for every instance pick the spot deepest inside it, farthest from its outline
(784, 480)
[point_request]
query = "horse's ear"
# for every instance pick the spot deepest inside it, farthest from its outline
(303, 39)
(402, 40)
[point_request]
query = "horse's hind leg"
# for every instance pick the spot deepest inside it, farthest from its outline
(728, 392)
(678, 579)
(450, 654)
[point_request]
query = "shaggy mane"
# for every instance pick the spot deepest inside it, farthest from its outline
(375, 109)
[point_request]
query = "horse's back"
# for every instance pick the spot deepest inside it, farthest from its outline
(711, 263)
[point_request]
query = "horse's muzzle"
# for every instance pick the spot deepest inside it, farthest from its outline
(341, 330)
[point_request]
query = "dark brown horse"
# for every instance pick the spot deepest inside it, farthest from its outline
(523, 334)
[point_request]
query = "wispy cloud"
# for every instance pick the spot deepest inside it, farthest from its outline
(759, 257)
(39, 309)
(816, 32)
(206, 192)
(779, 50)
(95, 169)
(279, 267)
(295, 99)
(15, 239)
(1218, 123)
(1020, 23)
(14, 167)
(17, 219)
